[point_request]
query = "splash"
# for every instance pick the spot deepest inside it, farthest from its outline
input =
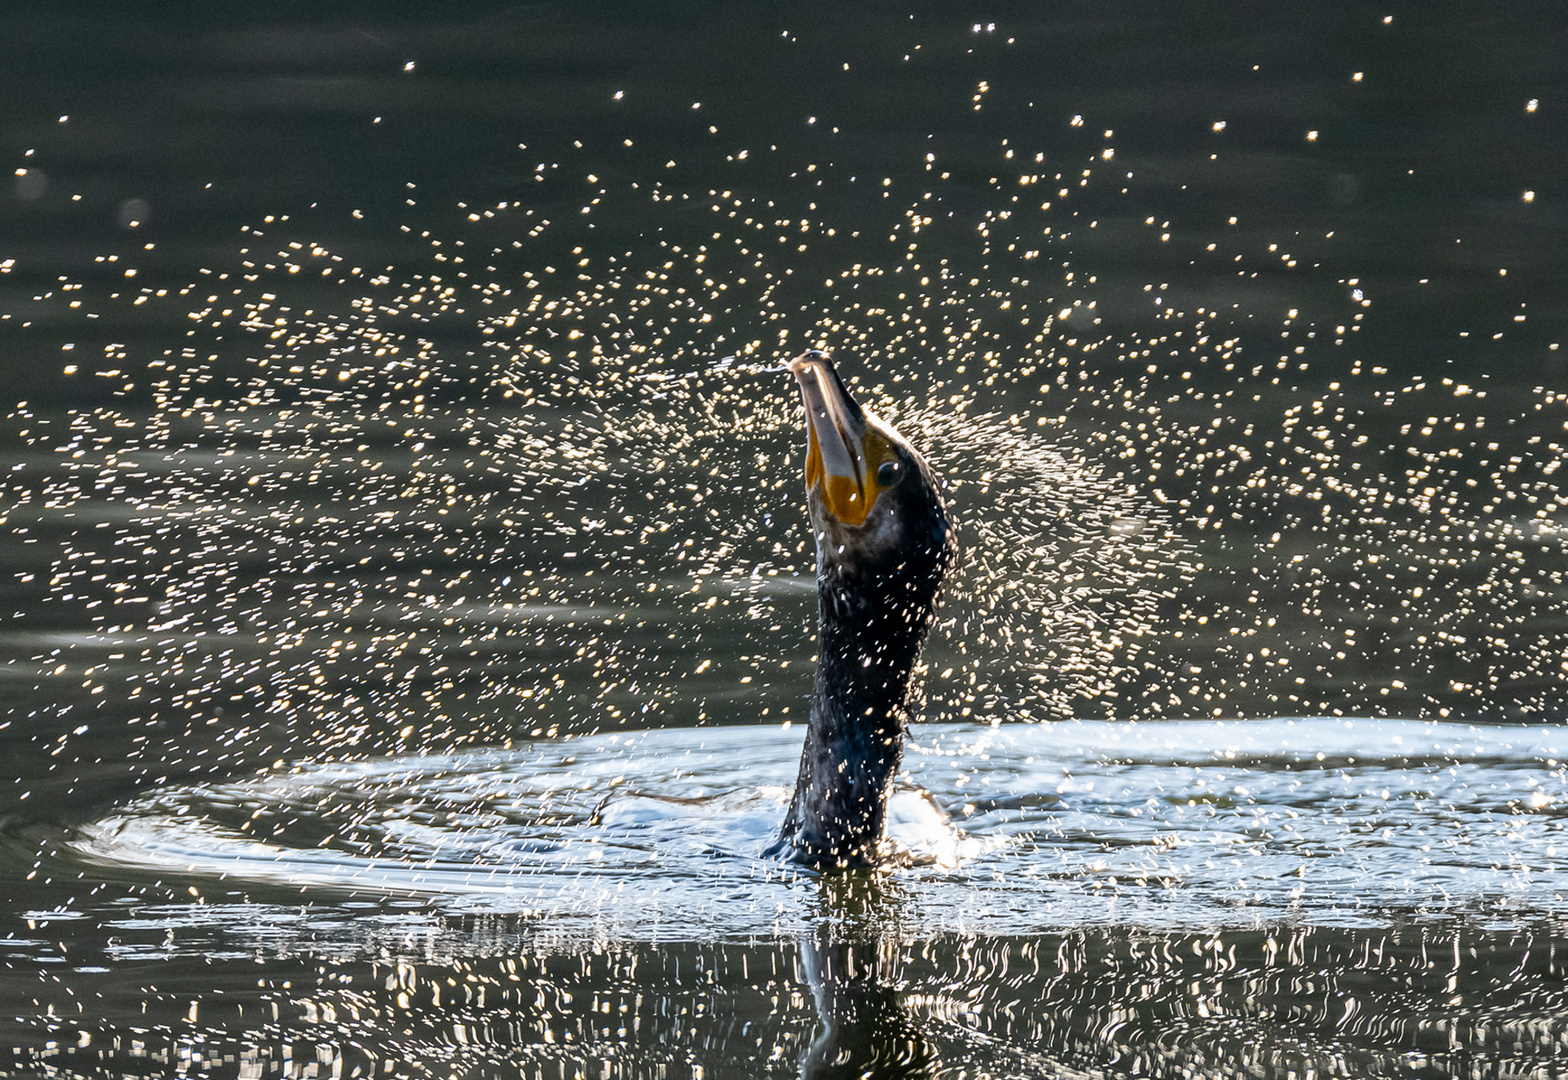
(648, 834)
(536, 477)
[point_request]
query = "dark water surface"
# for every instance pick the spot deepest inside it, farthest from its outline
(396, 467)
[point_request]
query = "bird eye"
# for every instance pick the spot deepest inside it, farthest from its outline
(888, 473)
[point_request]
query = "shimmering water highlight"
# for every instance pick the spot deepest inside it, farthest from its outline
(1168, 824)
(393, 461)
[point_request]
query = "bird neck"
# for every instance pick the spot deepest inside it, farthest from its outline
(869, 639)
(871, 630)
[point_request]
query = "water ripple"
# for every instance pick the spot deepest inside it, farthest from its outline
(1172, 824)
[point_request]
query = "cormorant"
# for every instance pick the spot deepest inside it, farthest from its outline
(884, 543)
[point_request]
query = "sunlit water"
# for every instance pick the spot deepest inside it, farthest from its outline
(1161, 898)
(406, 586)
(1166, 825)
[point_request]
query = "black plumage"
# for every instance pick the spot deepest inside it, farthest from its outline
(884, 543)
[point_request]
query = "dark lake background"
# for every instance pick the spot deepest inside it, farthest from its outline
(385, 380)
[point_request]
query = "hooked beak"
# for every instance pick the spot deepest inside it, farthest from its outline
(836, 457)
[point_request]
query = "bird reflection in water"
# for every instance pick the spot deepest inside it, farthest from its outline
(852, 961)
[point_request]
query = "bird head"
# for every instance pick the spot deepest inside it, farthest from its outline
(874, 502)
